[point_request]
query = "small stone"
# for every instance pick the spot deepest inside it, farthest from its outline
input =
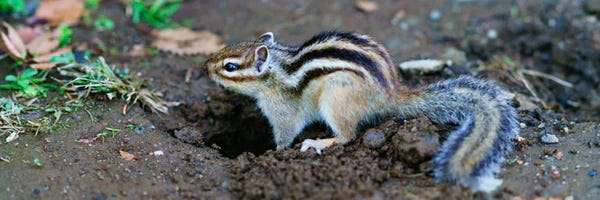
(542, 125)
(151, 127)
(559, 155)
(12, 137)
(549, 139)
(366, 6)
(566, 130)
(492, 34)
(435, 15)
(522, 125)
(373, 138)
(158, 153)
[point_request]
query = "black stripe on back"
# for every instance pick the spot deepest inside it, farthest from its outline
(349, 36)
(342, 54)
(316, 73)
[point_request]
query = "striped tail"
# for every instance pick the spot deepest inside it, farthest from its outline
(487, 125)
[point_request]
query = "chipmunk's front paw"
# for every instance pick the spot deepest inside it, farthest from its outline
(318, 144)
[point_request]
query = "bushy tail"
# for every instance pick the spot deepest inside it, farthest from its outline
(487, 125)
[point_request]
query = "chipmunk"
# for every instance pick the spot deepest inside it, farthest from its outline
(344, 78)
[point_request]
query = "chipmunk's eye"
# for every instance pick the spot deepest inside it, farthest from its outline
(231, 67)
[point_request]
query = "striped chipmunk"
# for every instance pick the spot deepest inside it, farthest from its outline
(345, 78)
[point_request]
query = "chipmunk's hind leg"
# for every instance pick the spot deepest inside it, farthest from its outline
(342, 109)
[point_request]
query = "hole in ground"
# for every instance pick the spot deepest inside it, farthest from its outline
(250, 134)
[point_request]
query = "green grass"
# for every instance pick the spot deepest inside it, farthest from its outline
(92, 4)
(66, 36)
(157, 14)
(12, 6)
(29, 84)
(104, 23)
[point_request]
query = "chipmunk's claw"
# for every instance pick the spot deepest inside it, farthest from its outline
(318, 144)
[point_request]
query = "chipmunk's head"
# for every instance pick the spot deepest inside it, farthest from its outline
(242, 67)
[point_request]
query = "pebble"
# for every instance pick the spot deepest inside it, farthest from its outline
(151, 127)
(549, 139)
(542, 125)
(492, 34)
(435, 15)
(373, 138)
(158, 153)
(522, 125)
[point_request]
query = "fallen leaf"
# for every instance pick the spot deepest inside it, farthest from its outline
(183, 41)
(366, 6)
(46, 58)
(58, 12)
(11, 43)
(43, 66)
(28, 33)
(178, 34)
(126, 156)
(45, 43)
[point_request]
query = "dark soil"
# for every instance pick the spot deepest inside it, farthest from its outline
(218, 145)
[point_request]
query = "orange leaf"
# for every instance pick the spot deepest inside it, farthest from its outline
(43, 44)
(126, 156)
(11, 43)
(47, 57)
(183, 41)
(58, 12)
(43, 66)
(28, 33)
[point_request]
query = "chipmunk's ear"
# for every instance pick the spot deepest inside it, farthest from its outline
(261, 56)
(267, 38)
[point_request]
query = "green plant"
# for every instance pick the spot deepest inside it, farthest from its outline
(157, 14)
(92, 4)
(12, 6)
(29, 83)
(104, 23)
(66, 36)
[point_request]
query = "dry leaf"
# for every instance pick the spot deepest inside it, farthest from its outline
(11, 43)
(178, 34)
(58, 12)
(28, 33)
(43, 66)
(45, 43)
(366, 6)
(47, 57)
(43, 46)
(183, 41)
(126, 156)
